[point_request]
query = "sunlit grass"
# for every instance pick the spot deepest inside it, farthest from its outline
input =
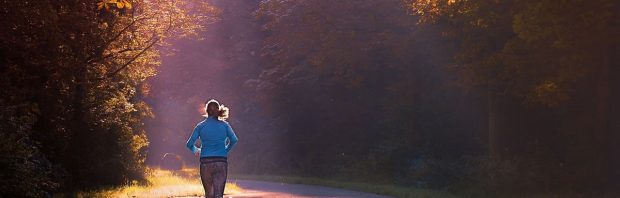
(162, 183)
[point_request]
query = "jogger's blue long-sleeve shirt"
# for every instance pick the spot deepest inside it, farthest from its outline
(213, 135)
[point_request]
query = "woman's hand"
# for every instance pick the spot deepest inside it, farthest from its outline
(197, 153)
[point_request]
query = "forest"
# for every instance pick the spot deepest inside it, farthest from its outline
(484, 98)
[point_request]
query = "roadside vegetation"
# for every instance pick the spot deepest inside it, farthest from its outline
(159, 183)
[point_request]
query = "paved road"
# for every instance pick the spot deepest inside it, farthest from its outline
(283, 190)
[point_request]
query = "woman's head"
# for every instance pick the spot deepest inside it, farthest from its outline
(214, 108)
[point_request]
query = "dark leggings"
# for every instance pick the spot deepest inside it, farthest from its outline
(213, 173)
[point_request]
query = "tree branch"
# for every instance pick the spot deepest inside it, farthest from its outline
(91, 59)
(153, 42)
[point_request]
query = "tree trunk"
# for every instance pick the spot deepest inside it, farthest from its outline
(493, 109)
(603, 134)
(76, 148)
(614, 124)
(614, 106)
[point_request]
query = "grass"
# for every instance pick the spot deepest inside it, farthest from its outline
(382, 189)
(162, 183)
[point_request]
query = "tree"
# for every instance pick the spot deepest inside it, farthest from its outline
(82, 70)
(358, 85)
(537, 51)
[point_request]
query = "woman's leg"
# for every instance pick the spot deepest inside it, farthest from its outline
(207, 179)
(219, 178)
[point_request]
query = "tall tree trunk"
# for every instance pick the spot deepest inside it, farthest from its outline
(614, 124)
(614, 105)
(76, 147)
(493, 122)
(614, 110)
(600, 143)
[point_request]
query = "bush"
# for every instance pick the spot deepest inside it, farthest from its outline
(24, 170)
(486, 176)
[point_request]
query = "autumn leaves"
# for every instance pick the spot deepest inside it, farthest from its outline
(118, 4)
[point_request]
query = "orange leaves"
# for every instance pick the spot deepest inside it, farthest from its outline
(119, 4)
(428, 9)
(548, 93)
(103, 4)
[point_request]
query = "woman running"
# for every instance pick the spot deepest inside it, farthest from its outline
(217, 139)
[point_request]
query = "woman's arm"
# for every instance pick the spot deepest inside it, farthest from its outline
(192, 139)
(231, 137)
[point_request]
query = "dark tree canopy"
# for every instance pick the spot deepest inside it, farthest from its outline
(72, 98)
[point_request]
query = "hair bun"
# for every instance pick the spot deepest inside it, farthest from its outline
(223, 112)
